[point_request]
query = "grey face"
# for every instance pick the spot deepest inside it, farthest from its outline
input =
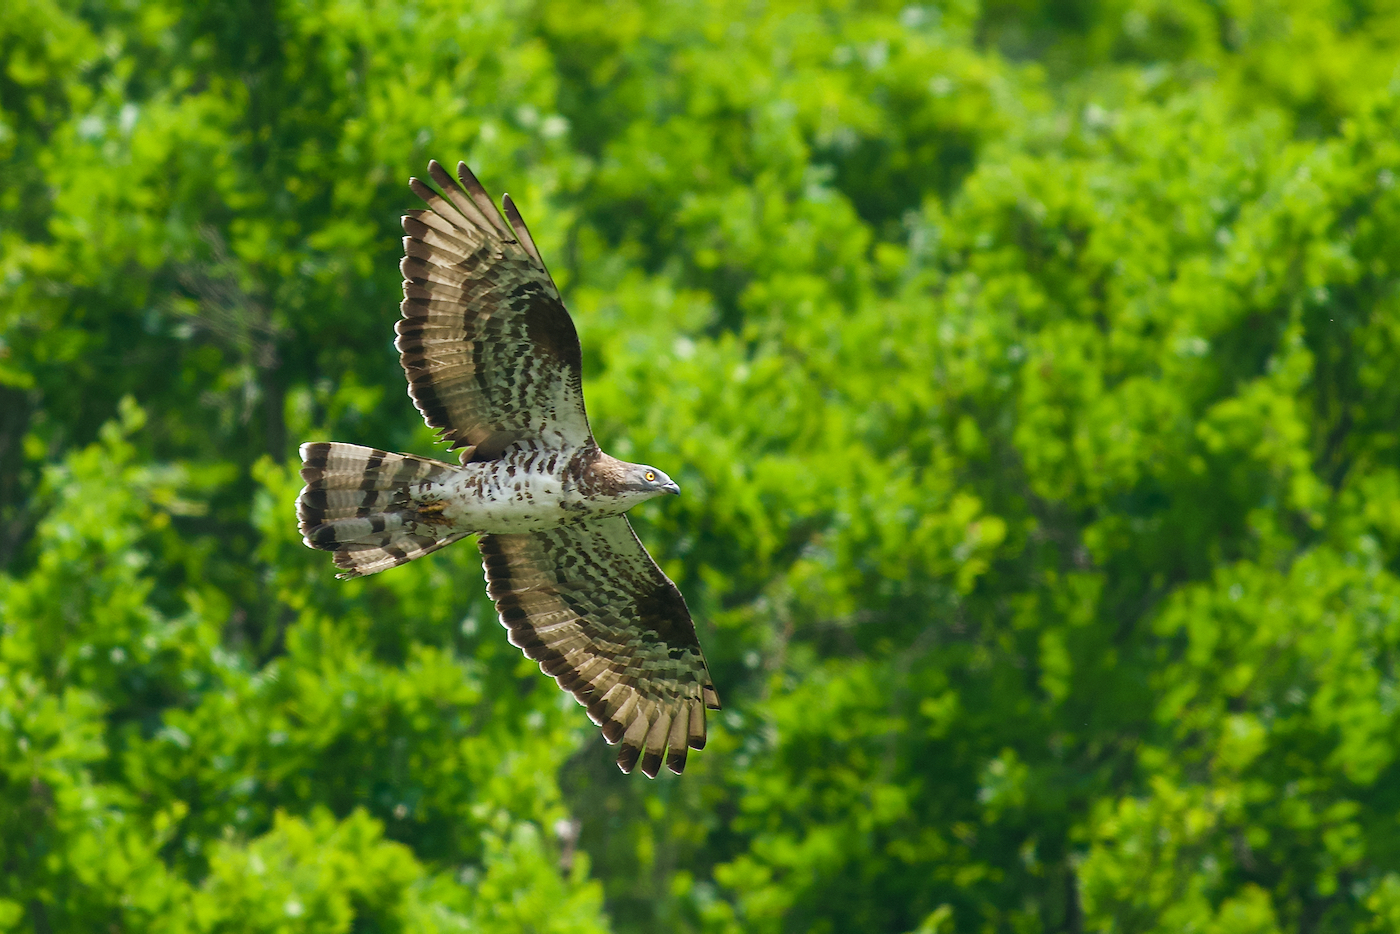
(650, 480)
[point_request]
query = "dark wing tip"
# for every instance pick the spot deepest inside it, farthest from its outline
(468, 177)
(695, 727)
(478, 194)
(522, 233)
(627, 759)
(438, 174)
(651, 763)
(612, 732)
(512, 212)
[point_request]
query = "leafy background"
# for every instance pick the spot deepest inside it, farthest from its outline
(1029, 369)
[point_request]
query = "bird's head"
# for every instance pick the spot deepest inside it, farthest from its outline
(616, 486)
(650, 481)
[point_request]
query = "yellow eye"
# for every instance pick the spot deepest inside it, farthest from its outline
(650, 475)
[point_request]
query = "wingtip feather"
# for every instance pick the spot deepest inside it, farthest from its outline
(632, 742)
(675, 739)
(695, 734)
(522, 232)
(655, 744)
(477, 192)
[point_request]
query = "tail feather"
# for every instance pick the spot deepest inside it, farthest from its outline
(332, 465)
(317, 506)
(333, 533)
(361, 504)
(361, 558)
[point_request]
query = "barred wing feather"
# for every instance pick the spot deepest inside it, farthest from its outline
(587, 602)
(490, 352)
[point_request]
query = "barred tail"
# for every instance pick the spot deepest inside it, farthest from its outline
(364, 504)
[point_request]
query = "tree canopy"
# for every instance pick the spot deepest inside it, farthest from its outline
(1029, 368)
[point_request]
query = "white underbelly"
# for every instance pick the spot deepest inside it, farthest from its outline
(492, 499)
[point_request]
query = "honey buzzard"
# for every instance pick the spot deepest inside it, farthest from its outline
(493, 362)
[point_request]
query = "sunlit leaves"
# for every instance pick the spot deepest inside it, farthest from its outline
(1029, 373)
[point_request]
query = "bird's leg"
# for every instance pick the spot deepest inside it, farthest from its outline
(430, 513)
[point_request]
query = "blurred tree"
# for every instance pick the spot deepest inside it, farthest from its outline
(1028, 368)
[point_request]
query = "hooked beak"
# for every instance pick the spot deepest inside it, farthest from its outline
(671, 487)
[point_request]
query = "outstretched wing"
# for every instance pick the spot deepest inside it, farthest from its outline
(587, 602)
(491, 355)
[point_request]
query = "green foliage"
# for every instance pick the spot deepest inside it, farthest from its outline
(1028, 369)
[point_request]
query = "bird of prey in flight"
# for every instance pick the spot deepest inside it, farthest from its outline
(493, 362)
